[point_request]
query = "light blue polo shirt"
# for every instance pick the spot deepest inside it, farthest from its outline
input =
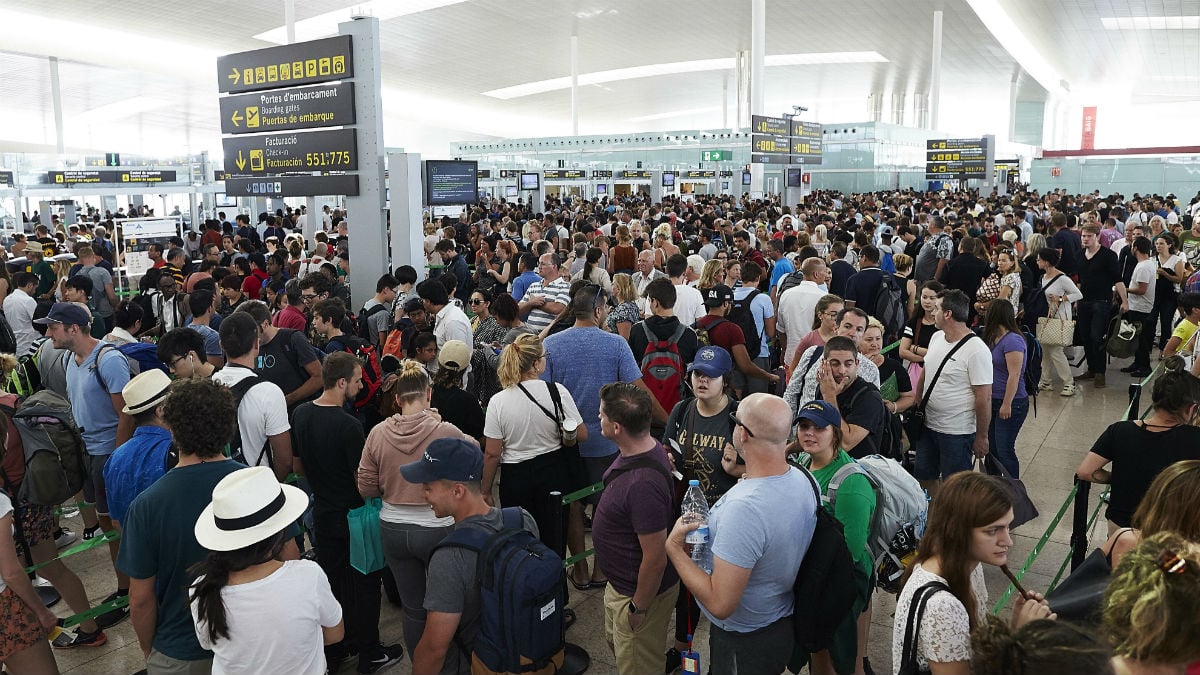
(90, 392)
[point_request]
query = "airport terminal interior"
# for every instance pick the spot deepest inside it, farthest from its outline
(753, 212)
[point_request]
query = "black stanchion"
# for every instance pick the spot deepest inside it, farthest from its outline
(1079, 524)
(576, 660)
(1135, 400)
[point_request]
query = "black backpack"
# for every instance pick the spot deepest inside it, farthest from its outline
(236, 451)
(889, 308)
(825, 587)
(363, 324)
(741, 313)
(792, 280)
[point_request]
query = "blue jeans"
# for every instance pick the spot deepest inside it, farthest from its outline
(1002, 434)
(940, 455)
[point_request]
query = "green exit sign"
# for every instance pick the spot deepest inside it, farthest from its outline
(716, 155)
(112, 159)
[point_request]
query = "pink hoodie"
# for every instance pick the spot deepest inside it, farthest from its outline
(394, 442)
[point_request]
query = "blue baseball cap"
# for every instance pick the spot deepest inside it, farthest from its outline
(820, 413)
(446, 459)
(712, 361)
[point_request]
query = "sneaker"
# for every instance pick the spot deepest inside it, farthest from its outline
(70, 511)
(64, 537)
(1068, 390)
(674, 661)
(1140, 373)
(336, 664)
(90, 532)
(79, 638)
(386, 657)
(1129, 369)
(1045, 386)
(113, 616)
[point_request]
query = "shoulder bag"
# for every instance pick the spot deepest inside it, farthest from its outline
(1051, 330)
(912, 630)
(915, 419)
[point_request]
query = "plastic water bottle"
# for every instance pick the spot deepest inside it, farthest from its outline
(695, 510)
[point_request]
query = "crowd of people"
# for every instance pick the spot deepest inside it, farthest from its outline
(237, 409)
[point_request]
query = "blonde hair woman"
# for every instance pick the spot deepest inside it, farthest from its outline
(712, 274)
(524, 431)
(621, 319)
(409, 528)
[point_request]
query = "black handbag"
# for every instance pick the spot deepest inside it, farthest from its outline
(1023, 507)
(1080, 597)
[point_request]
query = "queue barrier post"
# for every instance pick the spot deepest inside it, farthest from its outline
(576, 660)
(1079, 523)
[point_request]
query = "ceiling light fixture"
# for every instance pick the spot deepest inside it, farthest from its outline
(1013, 39)
(677, 68)
(1186, 22)
(324, 25)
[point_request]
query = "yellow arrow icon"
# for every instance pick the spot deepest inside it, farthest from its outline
(236, 118)
(241, 161)
(236, 76)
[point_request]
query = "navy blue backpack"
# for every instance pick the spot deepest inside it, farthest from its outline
(522, 594)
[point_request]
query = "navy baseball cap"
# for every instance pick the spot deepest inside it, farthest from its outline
(820, 413)
(712, 361)
(446, 459)
(66, 313)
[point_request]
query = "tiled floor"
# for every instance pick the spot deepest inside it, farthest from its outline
(1050, 447)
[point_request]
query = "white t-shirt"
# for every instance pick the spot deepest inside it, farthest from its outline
(261, 414)
(1146, 271)
(689, 304)
(275, 623)
(945, 631)
(524, 428)
(951, 408)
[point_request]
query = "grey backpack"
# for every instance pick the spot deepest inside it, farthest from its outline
(54, 449)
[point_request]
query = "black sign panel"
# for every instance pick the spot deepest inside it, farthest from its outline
(293, 186)
(112, 159)
(975, 144)
(300, 152)
(511, 173)
(761, 143)
(450, 182)
(726, 174)
(109, 177)
(1012, 165)
(806, 142)
(634, 174)
(699, 174)
(483, 174)
(6, 178)
(326, 105)
(602, 174)
(955, 158)
(301, 63)
(764, 158)
(218, 175)
(565, 174)
(772, 126)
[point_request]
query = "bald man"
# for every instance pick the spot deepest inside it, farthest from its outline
(758, 535)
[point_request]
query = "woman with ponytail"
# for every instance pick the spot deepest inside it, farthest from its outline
(409, 528)
(240, 586)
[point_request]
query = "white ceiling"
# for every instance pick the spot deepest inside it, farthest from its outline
(154, 63)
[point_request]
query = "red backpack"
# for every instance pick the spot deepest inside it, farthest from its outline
(663, 367)
(372, 374)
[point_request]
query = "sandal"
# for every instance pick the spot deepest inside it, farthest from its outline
(568, 618)
(578, 586)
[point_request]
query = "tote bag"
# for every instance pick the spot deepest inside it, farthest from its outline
(1055, 332)
(1024, 509)
(366, 541)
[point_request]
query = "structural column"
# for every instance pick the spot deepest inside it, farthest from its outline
(758, 51)
(935, 75)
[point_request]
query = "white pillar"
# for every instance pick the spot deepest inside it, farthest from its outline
(289, 20)
(404, 180)
(574, 85)
(758, 50)
(935, 79)
(368, 225)
(56, 100)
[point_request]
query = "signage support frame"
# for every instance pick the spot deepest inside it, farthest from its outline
(366, 212)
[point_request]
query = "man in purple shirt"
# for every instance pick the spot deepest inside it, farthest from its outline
(629, 532)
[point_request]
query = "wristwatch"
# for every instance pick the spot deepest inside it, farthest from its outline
(633, 609)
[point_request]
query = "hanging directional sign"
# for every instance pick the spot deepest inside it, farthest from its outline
(288, 65)
(334, 150)
(76, 177)
(293, 186)
(6, 178)
(324, 105)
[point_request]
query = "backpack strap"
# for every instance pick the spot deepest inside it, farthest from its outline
(840, 477)
(820, 349)
(554, 396)
(95, 367)
(642, 462)
(936, 375)
(916, 613)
